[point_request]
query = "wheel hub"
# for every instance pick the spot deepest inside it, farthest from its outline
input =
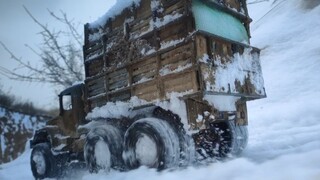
(40, 163)
(102, 154)
(146, 151)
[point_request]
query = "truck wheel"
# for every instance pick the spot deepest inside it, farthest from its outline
(239, 138)
(231, 138)
(42, 162)
(103, 148)
(151, 142)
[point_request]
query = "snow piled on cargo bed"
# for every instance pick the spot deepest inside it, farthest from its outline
(284, 128)
(115, 10)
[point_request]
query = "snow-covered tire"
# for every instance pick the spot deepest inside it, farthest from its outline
(42, 161)
(103, 148)
(239, 138)
(232, 138)
(187, 151)
(221, 140)
(153, 143)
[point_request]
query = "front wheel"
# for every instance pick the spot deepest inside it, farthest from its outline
(153, 143)
(42, 161)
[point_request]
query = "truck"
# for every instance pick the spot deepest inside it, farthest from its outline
(166, 85)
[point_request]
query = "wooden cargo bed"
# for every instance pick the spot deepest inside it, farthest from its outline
(150, 52)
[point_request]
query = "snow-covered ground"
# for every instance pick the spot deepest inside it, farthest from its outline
(284, 128)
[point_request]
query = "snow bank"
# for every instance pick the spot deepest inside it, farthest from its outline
(240, 169)
(288, 120)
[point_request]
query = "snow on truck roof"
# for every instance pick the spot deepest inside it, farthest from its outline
(115, 10)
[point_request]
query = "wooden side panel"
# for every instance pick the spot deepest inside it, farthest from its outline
(96, 86)
(144, 70)
(94, 67)
(180, 57)
(196, 107)
(144, 9)
(180, 82)
(148, 91)
(143, 16)
(97, 102)
(118, 79)
(201, 46)
(119, 20)
(175, 31)
(173, 6)
(223, 70)
(122, 95)
(132, 59)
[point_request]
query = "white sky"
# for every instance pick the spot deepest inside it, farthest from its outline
(17, 29)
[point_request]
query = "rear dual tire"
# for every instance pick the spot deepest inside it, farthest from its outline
(103, 148)
(153, 143)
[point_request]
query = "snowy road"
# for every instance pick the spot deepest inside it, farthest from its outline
(284, 141)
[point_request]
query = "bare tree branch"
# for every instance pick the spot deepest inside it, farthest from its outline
(60, 55)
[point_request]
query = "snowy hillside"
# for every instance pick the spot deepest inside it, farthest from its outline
(284, 128)
(15, 130)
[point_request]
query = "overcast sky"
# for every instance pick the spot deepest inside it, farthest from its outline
(17, 29)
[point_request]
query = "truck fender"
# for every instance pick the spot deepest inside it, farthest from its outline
(40, 136)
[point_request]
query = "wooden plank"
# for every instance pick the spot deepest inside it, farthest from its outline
(120, 77)
(147, 75)
(147, 91)
(117, 73)
(183, 57)
(118, 85)
(175, 65)
(143, 9)
(94, 67)
(144, 66)
(145, 88)
(96, 87)
(174, 8)
(141, 23)
(151, 96)
(174, 31)
(119, 20)
(98, 102)
(177, 54)
(179, 83)
(120, 95)
(201, 46)
(93, 48)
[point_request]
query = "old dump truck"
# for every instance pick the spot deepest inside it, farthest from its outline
(166, 85)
